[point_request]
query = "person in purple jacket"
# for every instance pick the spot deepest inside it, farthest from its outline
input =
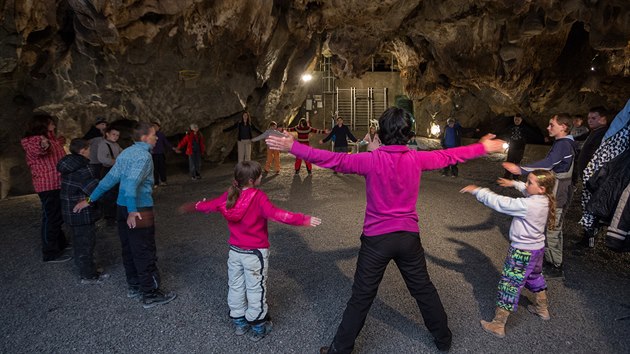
(390, 229)
(158, 153)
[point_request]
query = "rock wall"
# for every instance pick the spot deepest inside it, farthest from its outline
(184, 61)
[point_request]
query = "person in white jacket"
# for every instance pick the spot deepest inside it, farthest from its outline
(523, 263)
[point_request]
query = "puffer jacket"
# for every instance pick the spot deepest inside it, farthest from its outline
(77, 183)
(608, 185)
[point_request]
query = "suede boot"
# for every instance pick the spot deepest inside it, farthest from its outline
(497, 326)
(539, 308)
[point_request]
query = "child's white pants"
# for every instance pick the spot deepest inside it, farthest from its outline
(247, 281)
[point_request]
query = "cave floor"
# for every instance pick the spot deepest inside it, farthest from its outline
(46, 309)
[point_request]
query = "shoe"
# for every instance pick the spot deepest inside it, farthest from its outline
(240, 326)
(59, 259)
(198, 176)
(309, 172)
(193, 178)
(155, 186)
(497, 326)
(163, 184)
(260, 330)
(540, 305)
(133, 292)
(157, 297)
(334, 172)
(297, 172)
(323, 350)
(552, 272)
(99, 279)
(454, 176)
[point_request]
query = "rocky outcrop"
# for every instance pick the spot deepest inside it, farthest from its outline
(184, 61)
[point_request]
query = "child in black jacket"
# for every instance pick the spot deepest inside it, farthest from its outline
(77, 183)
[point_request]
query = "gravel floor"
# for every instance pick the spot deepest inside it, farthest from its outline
(46, 309)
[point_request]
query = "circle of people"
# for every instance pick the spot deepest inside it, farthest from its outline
(99, 171)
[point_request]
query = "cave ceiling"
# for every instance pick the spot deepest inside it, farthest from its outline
(184, 61)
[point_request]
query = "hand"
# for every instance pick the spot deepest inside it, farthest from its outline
(281, 143)
(321, 142)
(491, 144)
(178, 151)
(131, 219)
(314, 221)
(327, 131)
(512, 168)
(80, 206)
(187, 208)
(504, 182)
(44, 143)
(468, 189)
(61, 139)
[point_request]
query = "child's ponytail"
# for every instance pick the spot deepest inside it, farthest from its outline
(245, 172)
(547, 179)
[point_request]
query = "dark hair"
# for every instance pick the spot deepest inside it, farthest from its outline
(603, 112)
(78, 144)
(302, 122)
(244, 171)
(564, 119)
(395, 127)
(140, 129)
(38, 125)
(518, 115)
(110, 128)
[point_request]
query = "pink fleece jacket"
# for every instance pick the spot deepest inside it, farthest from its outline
(247, 220)
(392, 177)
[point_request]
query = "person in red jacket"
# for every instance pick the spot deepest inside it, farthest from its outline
(247, 210)
(195, 148)
(43, 151)
(303, 132)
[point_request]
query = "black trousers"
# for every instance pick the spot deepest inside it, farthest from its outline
(138, 253)
(83, 241)
(375, 254)
(159, 168)
(53, 239)
(454, 171)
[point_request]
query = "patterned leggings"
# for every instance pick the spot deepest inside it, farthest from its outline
(522, 268)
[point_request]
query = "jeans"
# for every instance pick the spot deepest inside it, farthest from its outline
(194, 164)
(375, 254)
(83, 240)
(138, 253)
(53, 239)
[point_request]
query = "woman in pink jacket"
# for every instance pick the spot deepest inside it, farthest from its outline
(390, 230)
(43, 151)
(247, 210)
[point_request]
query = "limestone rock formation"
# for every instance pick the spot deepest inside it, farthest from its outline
(184, 61)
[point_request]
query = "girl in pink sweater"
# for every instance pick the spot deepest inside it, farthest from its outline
(247, 210)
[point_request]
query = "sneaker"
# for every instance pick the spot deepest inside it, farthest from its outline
(155, 186)
(163, 184)
(99, 279)
(193, 178)
(297, 172)
(240, 326)
(260, 330)
(553, 272)
(60, 259)
(309, 172)
(157, 297)
(133, 292)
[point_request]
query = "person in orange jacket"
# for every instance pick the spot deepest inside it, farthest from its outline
(195, 147)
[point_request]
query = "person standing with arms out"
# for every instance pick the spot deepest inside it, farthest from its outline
(341, 134)
(136, 228)
(108, 151)
(560, 160)
(77, 182)
(390, 229)
(273, 156)
(373, 140)
(43, 151)
(523, 263)
(195, 146)
(244, 137)
(304, 131)
(159, 155)
(247, 210)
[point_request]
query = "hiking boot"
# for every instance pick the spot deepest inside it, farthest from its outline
(133, 292)
(551, 271)
(539, 307)
(156, 297)
(259, 331)
(60, 259)
(240, 326)
(497, 326)
(99, 279)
